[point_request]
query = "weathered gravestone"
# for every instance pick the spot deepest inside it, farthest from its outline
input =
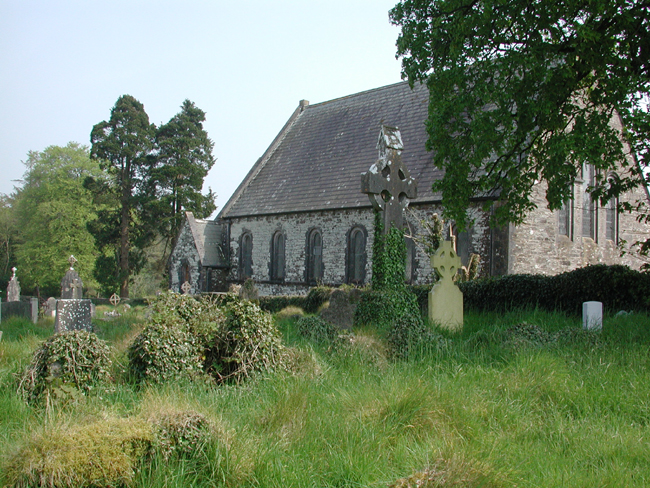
(13, 289)
(249, 291)
(49, 309)
(72, 311)
(342, 305)
(388, 183)
(445, 298)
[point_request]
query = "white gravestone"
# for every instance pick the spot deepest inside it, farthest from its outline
(445, 298)
(13, 289)
(592, 315)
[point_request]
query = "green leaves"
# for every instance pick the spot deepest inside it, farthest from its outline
(524, 93)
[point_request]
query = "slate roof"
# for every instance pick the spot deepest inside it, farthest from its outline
(209, 238)
(316, 161)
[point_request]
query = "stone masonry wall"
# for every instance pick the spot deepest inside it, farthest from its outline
(334, 227)
(184, 252)
(537, 247)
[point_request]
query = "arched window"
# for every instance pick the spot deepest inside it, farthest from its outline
(611, 223)
(356, 256)
(184, 275)
(314, 256)
(589, 207)
(611, 213)
(246, 256)
(277, 257)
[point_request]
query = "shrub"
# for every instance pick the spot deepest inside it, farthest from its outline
(67, 364)
(180, 434)
(165, 349)
(383, 308)
(316, 297)
(100, 454)
(248, 343)
(318, 330)
(618, 287)
(408, 334)
(275, 304)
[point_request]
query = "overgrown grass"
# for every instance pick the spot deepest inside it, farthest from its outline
(481, 411)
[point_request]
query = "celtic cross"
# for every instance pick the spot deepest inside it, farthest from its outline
(72, 260)
(14, 269)
(115, 299)
(445, 261)
(186, 288)
(388, 183)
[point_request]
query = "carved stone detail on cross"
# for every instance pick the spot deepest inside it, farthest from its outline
(445, 261)
(388, 182)
(186, 288)
(72, 260)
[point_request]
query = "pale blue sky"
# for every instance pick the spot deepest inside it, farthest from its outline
(246, 63)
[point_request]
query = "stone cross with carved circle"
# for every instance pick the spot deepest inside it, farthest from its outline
(388, 182)
(445, 261)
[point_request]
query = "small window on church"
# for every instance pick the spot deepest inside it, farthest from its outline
(565, 219)
(314, 256)
(356, 254)
(277, 257)
(589, 207)
(611, 223)
(246, 256)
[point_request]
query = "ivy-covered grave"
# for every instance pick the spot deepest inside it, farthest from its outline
(224, 339)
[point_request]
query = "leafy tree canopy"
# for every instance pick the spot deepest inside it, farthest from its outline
(523, 92)
(53, 209)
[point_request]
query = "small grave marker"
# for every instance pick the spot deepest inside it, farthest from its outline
(13, 289)
(115, 299)
(186, 288)
(445, 298)
(592, 315)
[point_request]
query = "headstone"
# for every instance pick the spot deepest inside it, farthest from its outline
(115, 299)
(13, 289)
(73, 314)
(71, 284)
(33, 302)
(72, 311)
(592, 315)
(342, 305)
(388, 183)
(93, 311)
(49, 310)
(186, 288)
(249, 291)
(445, 298)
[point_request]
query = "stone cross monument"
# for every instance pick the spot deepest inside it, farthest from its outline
(13, 289)
(71, 284)
(388, 183)
(445, 298)
(72, 311)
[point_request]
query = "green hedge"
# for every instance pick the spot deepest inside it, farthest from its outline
(617, 287)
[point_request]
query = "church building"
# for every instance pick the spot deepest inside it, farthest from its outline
(299, 217)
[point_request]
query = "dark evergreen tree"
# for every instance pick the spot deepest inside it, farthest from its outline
(124, 147)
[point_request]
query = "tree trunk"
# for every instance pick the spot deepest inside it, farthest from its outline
(124, 242)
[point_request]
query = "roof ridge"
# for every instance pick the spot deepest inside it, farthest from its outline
(385, 87)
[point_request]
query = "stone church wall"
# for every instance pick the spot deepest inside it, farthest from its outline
(184, 254)
(335, 227)
(537, 246)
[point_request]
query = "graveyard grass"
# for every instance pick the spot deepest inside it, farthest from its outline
(474, 411)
